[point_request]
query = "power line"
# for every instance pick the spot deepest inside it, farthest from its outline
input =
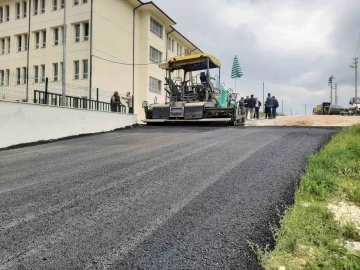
(130, 64)
(241, 79)
(68, 16)
(118, 25)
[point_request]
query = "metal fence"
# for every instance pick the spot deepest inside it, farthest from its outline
(14, 87)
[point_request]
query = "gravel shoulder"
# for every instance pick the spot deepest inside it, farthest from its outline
(310, 120)
(150, 197)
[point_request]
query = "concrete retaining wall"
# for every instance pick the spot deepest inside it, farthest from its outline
(26, 123)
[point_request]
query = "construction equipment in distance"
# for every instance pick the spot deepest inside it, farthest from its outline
(354, 107)
(199, 98)
(322, 109)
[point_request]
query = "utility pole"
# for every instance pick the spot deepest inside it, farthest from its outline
(355, 66)
(331, 88)
(63, 101)
(282, 107)
(305, 108)
(336, 96)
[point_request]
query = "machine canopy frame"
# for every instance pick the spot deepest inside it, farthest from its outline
(194, 62)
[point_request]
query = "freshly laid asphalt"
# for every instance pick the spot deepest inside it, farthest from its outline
(150, 197)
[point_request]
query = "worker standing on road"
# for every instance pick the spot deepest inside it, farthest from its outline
(115, 102)
(266, 110)
(246, 106)
(251, 105)
(269, 104)
(276, 104)
(257, 108)
(129, 102)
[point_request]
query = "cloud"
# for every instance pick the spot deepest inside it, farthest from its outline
(308, 77)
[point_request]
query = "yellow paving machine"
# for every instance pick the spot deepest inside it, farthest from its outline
(194, 98)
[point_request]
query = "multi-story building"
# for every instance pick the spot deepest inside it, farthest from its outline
(114, 45)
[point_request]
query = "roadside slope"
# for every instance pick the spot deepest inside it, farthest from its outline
(325, 218)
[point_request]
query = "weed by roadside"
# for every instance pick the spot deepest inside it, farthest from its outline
(310, 236)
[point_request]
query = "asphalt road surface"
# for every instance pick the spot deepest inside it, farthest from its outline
(149, 197)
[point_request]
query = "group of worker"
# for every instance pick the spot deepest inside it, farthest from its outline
(252, 107)
(115, 102)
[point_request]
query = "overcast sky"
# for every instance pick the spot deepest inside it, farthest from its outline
(293, 46)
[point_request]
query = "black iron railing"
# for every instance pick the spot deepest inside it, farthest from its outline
(44, 97)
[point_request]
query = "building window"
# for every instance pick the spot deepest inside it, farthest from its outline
(156, 28)
(172, 45)
(56, 36)
(56, 71)
(19, 43)
(8, 39)
(181, 50)
(25, 42)
(62, 70)
(36, 73)
(86, 31)
(17, 8)
(36, 7)
(44, 39)
(42, 6)
(55, 4)
(7, 13)
(24, 9)
(177, 49)
(25, 75)
(2, 77)
(84, 1)
(37, 40)
(76, 70)
(155, 85)
(18, 76)
(169, 43)
(76, 2)
(43, 73)
(85, 69)
(1, 14)
(155, 55)
(3, 46)
(7, 76)
(77, 32)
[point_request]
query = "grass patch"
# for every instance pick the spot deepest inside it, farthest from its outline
(309, 237)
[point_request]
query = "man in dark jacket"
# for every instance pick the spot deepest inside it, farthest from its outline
(251, 105)
(115, 102)
(269, 104)
(246, 106)
(276, 104)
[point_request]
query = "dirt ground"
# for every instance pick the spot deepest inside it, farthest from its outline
(309, 120)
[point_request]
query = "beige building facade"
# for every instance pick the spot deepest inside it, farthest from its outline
(113, 45)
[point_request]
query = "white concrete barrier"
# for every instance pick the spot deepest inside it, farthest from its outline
(26, 123)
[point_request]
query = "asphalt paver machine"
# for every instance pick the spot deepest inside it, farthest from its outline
(194, 98)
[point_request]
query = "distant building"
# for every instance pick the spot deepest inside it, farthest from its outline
(112, 39)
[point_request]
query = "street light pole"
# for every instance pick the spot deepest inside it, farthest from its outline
(63, 101)
(355, 66)
(336, 96)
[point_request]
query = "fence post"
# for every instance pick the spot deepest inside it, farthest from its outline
(46, 90)
(97, 98)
